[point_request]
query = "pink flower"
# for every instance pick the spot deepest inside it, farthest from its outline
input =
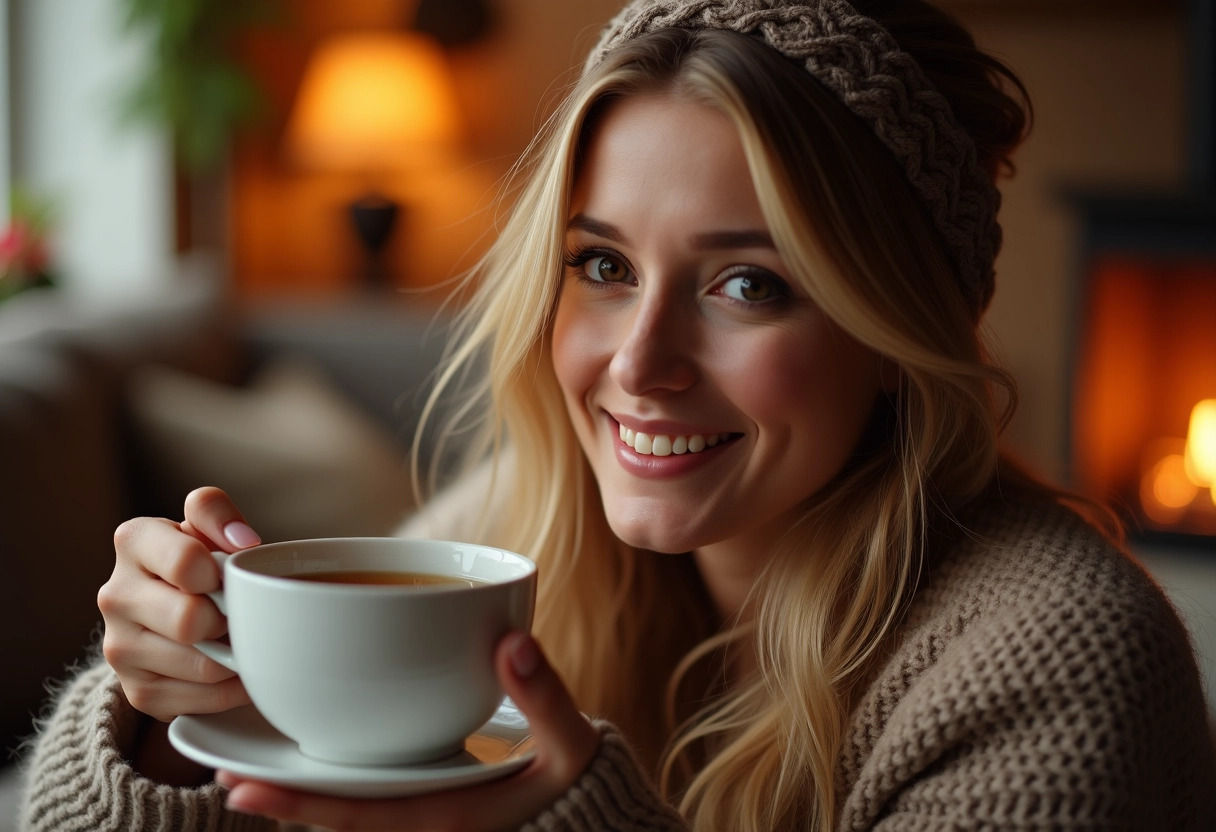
(23, 253)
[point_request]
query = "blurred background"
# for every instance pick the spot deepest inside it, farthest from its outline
(230, 224)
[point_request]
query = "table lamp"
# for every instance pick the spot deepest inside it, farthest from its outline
(373, 103)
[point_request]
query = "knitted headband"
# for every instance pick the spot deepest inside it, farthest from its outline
(859, 61)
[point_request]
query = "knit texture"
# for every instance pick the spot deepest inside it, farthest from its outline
(612, 793)
(79, 781)
(1039, 681)
(857, 60)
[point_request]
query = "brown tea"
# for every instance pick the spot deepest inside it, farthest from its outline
(369, 577)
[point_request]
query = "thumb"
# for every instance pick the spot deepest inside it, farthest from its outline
(565, 740)
(212, 517)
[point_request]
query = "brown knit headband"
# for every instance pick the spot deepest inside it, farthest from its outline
(859, 61)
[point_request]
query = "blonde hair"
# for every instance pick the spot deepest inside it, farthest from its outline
(632, 632)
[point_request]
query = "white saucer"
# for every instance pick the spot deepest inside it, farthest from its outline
(243, 742)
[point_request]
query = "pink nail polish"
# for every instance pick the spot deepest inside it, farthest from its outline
(240, 535)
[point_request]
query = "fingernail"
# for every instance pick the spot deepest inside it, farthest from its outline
(236, 802)
(240, 535)
(525, 657)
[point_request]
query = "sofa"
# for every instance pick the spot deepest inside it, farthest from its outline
(304, 410)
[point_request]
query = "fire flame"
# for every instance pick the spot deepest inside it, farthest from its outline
(1201, 444)
(1173, 484)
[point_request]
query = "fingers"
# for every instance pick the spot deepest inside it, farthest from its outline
(160, 549)
(165, 699)
(144, 652)
(256, 798)
(565, 740)
(163, 678)
(155, 607)
(449, 810)
(215, 519)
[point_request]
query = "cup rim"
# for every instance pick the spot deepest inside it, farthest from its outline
(233, 561)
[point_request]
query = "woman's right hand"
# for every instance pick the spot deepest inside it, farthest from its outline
(155, 608)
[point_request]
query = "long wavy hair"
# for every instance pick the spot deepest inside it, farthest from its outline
(632, 632)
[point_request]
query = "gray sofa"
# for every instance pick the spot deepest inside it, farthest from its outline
(303, 410)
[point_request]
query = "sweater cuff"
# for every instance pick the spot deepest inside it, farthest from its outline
(77, 778)
(613, 793)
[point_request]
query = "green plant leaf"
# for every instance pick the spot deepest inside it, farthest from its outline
(192, 87)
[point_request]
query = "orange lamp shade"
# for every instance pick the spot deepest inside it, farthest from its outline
(372, 101)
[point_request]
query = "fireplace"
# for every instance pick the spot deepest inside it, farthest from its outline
(1143, 421)
(1142, 398)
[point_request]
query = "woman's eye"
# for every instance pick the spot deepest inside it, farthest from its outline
(599, 267)
(604, 269)
(755, 287)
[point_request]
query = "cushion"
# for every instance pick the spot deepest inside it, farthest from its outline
(296, 456)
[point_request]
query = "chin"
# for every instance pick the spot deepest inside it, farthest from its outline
(646, 536)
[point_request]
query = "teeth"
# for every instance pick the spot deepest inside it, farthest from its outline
(663, 445)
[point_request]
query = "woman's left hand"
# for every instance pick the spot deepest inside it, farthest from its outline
(565, 744)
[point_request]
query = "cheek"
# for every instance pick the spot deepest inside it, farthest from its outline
(769, 376)
(797, 385)
(576, 351)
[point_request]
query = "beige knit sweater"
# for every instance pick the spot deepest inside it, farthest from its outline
(1040, 681)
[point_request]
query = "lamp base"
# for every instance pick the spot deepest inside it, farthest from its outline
(374, 218)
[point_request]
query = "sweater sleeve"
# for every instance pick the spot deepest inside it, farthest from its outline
(1078, 710)
(613, 793)
(78, 780)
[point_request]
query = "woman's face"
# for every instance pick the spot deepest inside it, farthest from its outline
(680, 328)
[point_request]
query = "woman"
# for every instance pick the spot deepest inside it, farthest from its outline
(741, 416)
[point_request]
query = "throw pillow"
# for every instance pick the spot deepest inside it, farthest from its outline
(296, 456)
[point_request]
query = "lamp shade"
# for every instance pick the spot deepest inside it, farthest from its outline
(372, 101)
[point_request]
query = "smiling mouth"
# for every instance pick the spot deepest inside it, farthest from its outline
(661, 444)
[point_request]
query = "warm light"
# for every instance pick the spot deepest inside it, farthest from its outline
(1165, 490)
(373, 101)
(1201, 444)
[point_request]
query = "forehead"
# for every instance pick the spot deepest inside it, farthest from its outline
(659, 156)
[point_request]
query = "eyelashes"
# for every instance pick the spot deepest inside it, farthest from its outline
(606, 267)
(752, 286)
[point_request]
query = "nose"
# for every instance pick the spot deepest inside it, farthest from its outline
(657, 348)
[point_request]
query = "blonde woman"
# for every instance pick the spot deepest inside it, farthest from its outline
(738, 410)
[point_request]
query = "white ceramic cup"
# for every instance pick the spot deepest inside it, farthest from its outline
(372, 674)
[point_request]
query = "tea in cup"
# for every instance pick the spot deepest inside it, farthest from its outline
(372, 651)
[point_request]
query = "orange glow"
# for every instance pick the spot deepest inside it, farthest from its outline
(372, 101)
(1201, 444)
(1145, 360)
(1178, 483)
(1168, 484)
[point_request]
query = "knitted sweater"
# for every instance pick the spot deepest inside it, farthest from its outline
(1040, 680)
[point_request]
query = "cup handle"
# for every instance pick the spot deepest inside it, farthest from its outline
(222, 653)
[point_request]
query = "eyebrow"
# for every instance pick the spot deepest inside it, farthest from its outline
(708, 240)
(582, 222)
(733, 239)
